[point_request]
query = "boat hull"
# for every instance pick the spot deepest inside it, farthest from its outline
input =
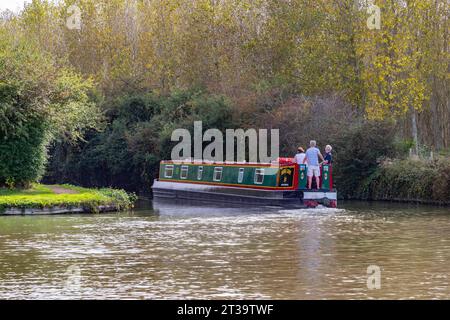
(240, 196)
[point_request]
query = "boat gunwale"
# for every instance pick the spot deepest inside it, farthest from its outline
(237, 185)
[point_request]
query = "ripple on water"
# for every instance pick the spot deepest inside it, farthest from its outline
(227, 254)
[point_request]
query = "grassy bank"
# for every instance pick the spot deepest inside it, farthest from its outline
(43, 196)
(425, 181)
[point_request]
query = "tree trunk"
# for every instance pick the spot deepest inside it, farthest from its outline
(415, 134)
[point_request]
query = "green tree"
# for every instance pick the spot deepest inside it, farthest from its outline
(127, 153)
(39, 102)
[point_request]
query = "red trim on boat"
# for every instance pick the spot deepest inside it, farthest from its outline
(230, 185)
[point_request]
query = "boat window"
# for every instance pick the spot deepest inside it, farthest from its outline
(168, 171)
(259, 176)
(200, 173)
(241, 175)
(217, 173)
(184, 172)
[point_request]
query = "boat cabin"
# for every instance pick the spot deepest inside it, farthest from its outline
(283, 174)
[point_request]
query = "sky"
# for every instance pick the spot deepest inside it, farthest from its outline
(13, 5)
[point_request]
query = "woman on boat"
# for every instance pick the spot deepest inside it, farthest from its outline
(328, 158)
(300, 156)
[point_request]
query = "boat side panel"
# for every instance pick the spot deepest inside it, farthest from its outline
(214, 194)
(229, 175)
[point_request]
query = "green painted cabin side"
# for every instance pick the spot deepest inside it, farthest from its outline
(231, 175)
(287, 177)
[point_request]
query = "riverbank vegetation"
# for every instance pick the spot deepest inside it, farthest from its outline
(67, 196)
(40, 101)
(126, 154)
(425, 181)
(99, 99)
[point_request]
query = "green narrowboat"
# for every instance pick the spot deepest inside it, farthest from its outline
(280, 183)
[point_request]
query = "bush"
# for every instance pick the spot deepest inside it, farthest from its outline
(23, 156)
(301, 120)
(127, 153)
(41, 196)
(410, 180)
(39, 101)
(358, 150)
(358, 144)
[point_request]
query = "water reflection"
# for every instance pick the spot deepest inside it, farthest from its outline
(193, 251)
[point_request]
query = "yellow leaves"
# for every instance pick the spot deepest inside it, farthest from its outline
(311, 47)
(394, 75)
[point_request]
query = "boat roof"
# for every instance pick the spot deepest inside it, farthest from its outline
(278, 163)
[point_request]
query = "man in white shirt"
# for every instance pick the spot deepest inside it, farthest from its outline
(300, 156)
(312, 157)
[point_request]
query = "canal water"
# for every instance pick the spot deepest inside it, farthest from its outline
(363, 250)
